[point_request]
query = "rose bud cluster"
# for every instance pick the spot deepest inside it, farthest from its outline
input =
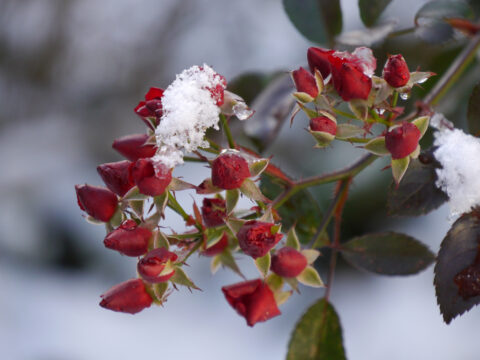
(229, 170)
(129, 239)
(257, 238)
(253, 300)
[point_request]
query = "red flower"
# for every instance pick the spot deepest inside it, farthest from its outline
(151, 107)
(305, 82)
(288, 262)
(129, 239)
(396, 72)
(402, 140)
(217, 248)
(324, 124)
(133, 147)
(151, 178)
(253, 300)
(117, 176)
(128, 297)
(256, 239)
(151, 265)
(98, 202)
(229, 171)
(351, 73)
(213, 211)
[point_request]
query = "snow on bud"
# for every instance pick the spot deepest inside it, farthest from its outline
(256, 238)
(396, 72)
(128, 297)
(128, 239)
(254, 300)
(133, 147)
(217, 248)
(155, 267)
(214, 211)
(98, 202)
(117, 176)
(305, 83)
(152, 178)
(229, 170)
(288, 262)
(151, 108)
(402, 140)
(459, 176)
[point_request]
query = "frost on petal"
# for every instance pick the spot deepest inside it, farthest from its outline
(459, 176)
(362, 58)
(189, 109)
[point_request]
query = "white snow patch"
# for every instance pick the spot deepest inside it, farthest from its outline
(459, 176)
(189, 109)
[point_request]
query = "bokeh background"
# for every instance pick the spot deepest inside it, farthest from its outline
(71, 72)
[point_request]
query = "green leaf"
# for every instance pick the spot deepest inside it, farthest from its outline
(417, 193)
(292, 239)
(181, 278)
(387, 253)
(300, 210)
(317, 20)
(473, 112)
(430, 23)
(457, 269)
(263, 264)
(310, 277)
(377, 146)
(232, 197)
(318, 335)
(370, 10)
(251, 190)
(399, 167)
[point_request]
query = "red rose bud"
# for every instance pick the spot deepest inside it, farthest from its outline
(256, 239)
(349, 80)
(324, 124)
(98, 202)
(218, 93)
(402, 140)
(151, 107)
(253, 300)
(214, 212)
(151, 266)
(396, 72)
(133, 147)
(117, 176)
(129, 239)
(229, 171)
(128, 297)
(151, 178)
(288, 262)
(319, 58)
(305, 82)
(216, 248)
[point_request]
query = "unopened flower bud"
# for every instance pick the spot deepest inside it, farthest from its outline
(152, 267)
(324, 124)
(98, 202)
(129, 239)
(305, 82)
(133, 147)
(151, 177)
(349, 80)
(396, 72)
(256, 238)
(217, 248)
(288, 262)
(319, 59)
(117, 176)
(214, 211)
(253, 300)
(128, 297)
(151, 107)
(402, 140)
(229, 171)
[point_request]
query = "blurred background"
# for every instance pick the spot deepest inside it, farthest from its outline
(71, 72)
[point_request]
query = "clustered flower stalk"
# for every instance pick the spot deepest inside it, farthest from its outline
(344, 101)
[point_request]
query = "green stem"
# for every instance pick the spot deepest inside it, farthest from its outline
(343, 113)
(393, 104)
(175, 206)
(355, 140)
(192, 159)
(377, 118)
(226, 129)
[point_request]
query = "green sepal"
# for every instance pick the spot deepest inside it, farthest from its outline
(252, 191)
(292, 239)
(160, 240)
(282, 296)
(257, 167)
(117, 218)
(303, 97)
(399, 167)
(232, 197)
(323, 138)
(422, 123)
(310, 277)
(310, 113)
(161, 202)
(311, 255)
(263, 264)
(181, 278)
(214, 235)
(359, 108)
(134, 194)
(179, 185)
(377, 146)
(275, 282)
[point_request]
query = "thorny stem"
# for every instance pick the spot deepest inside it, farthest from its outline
(226, 129)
